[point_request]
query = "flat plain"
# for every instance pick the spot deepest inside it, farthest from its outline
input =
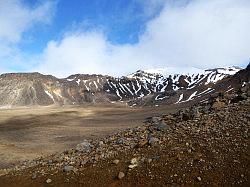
(27, 133)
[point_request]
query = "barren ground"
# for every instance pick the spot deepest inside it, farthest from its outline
(207, 149)
(27, 133)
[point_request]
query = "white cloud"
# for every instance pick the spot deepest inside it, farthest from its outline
(202, 33)
(76, 53)
(15, 19)
(198, 33)
(88, 52)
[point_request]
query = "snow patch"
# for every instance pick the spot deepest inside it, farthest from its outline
(191, 97)
(180, 98)
(207, 90)
(95, 85)
(5, 107)
(49, 94)
(244, 84)
(78, 81)
(159, 97)
(229, 90)
(174, 71)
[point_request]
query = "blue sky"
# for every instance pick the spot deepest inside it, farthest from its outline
(122, 21)
(63, 37)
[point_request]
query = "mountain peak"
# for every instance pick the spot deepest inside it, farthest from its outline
(186, 71)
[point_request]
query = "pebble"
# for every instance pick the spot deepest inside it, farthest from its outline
(132, 166)
(121, 175)
(68, 168)
(33, 176)
(50, 161)
(120, 141)
(134, 161)
(199, 178)
(116, 161)
(152, 140)
(149, 160)
(142, 143)
(101, 143)
(48, 181)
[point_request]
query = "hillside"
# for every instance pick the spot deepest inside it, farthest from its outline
(149, 87)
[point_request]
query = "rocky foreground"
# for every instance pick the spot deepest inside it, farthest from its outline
(205, 145)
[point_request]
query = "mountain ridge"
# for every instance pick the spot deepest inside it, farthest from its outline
(142, 88)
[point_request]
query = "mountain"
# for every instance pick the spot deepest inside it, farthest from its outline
(181, 88)
(148, 87)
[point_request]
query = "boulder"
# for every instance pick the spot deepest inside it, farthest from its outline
(85, 146)
(161, 126)
(68, 168)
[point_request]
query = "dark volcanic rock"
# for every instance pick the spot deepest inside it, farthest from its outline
(161, 126)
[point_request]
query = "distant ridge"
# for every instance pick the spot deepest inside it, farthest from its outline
(152, 87)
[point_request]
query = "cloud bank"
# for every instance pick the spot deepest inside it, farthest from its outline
(196, 33)
(15, 20)
(199, 33)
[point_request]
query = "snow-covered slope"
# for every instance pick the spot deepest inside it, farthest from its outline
(188, 85)
(167, 78)
(148, 86)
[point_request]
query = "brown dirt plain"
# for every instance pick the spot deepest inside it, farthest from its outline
(27, 133)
